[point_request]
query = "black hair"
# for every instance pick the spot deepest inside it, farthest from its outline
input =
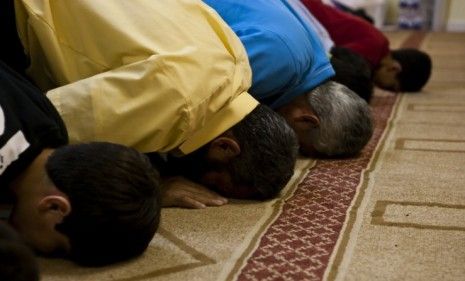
(416, 68)
(114, 196)
(352, 71)
(269, 149)
(265, 164)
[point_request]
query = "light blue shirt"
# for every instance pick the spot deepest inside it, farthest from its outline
(285, 53)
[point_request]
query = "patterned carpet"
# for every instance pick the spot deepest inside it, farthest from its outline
(395, 212)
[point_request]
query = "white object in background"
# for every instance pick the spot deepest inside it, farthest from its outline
(410, 14)
(321, 32)
(374, 8)
(439, 15)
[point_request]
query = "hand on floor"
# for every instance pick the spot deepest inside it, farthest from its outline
(181, 192)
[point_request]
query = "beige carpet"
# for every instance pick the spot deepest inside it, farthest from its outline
(408, 221)
(396, 212)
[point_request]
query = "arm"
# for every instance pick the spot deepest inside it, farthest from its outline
(129, 105)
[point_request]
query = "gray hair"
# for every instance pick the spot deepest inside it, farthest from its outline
(345, 120)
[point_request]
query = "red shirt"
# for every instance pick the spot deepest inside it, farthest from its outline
(350, 31)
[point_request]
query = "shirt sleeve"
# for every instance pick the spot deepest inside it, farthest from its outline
(103, 107)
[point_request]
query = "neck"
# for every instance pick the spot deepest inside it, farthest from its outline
(32, 176)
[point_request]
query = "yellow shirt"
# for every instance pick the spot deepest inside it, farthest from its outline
(151, 74)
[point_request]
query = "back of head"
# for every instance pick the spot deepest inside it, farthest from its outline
(268, 152)
(346, 124)
(352, 71)
(114, 195)
(416, 68)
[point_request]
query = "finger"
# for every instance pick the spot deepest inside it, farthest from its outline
(204, 193)
(209, 197)
(208, 200)
(188, 202)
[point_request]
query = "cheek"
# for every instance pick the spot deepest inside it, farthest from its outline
(386, 79)
(218, 181)
(302, 134)
(52, 243)
(306, 147)
(43, 238)
(221, 182)
(308, 150)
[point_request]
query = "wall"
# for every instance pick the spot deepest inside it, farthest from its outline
(391, 12)
(456, 19)
(450, 14)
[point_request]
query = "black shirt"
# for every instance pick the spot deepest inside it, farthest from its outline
(28, 124)
(12, 50)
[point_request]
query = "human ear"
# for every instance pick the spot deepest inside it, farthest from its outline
(299, 114)
(395, 66)
(54, 207)
(308, 118)
(223, 149)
